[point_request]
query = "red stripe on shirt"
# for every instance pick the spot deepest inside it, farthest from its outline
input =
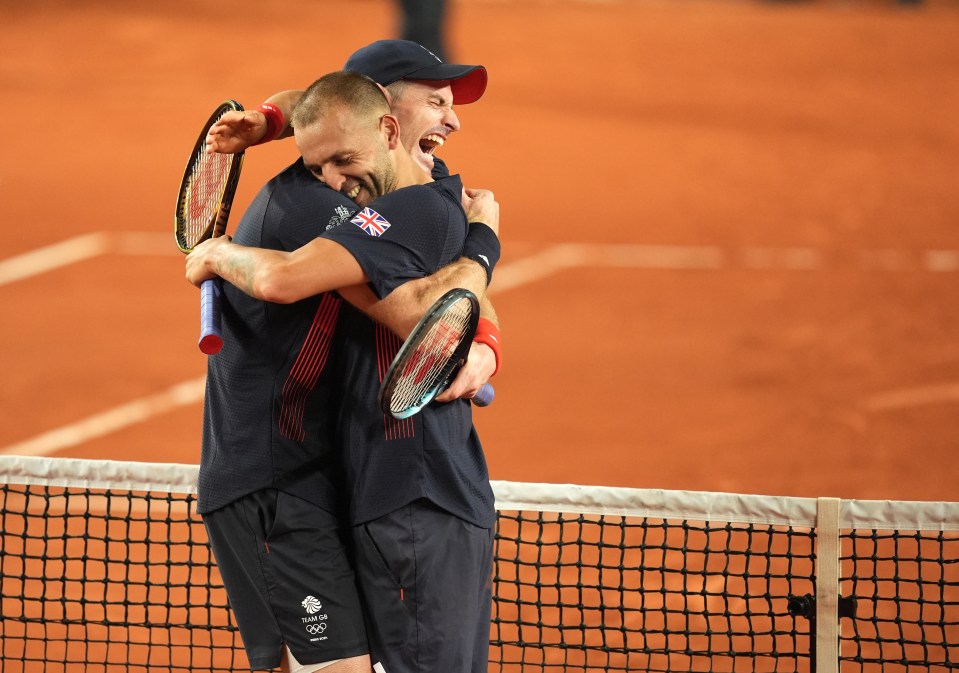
(309, 364)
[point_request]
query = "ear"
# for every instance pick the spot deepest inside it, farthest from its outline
(390, 126)
(386, 92)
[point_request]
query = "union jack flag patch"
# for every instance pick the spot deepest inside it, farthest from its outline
(371, 222)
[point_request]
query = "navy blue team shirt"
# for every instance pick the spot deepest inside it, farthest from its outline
(436, 454)
(292, 397)
(271, 397)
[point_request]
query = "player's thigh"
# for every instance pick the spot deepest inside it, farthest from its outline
(312, 586)
(425, 576)
(237, 540)
(289, 578)
(360, 664)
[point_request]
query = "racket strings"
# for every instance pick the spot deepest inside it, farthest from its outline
(432, 360)
(203, 194)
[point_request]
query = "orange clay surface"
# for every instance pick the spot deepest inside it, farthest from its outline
(731, 229)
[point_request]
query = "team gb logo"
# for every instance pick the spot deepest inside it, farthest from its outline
(312, 604)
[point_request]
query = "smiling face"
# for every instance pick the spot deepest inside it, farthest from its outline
(350, 153)
(425, 113)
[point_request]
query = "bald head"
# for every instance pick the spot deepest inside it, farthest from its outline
(343, 93)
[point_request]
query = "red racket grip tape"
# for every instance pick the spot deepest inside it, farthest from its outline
(211, 338)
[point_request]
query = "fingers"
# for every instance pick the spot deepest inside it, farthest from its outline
(198, 266)
(463, 386)
(479, 367)
(483, 208)
(235, 132)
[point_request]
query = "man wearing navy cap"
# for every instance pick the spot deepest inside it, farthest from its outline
(259, 477)
(410, 74)
(388, 61)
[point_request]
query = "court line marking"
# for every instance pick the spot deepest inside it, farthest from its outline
(910, 398)
(107, 422)
(529, 269)
(524, 271)
(81, 248)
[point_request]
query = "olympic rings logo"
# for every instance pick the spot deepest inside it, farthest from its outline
(314, 629)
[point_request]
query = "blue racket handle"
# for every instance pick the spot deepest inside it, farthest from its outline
(484, 396)
(211, 339)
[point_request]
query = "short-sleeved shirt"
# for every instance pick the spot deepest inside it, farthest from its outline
(271, 402)
(435, 454)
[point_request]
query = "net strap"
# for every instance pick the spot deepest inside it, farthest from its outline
(827, 585)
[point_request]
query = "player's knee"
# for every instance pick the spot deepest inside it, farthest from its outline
(360, 664)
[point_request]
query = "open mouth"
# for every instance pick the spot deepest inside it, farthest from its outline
(429, 143)
(353, 193)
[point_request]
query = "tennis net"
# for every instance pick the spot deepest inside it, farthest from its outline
(104, 566)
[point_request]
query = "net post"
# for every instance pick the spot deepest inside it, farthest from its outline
(826, 636)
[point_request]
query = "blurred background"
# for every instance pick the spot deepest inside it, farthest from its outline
(731, 253)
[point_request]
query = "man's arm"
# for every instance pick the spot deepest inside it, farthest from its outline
(319, 266)
(237, 131)
(401, 309)
(323, 265)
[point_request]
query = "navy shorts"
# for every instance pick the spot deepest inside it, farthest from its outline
(426, 580)
(289, 577)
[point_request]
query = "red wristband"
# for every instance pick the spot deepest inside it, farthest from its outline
(275, 123)
(488, 333)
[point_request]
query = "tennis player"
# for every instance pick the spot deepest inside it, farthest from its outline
(290, 356)
(421, 503)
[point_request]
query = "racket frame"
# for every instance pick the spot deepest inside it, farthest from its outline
(211, 339)
(413, 342)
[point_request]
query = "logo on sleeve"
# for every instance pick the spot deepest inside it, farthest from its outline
(371, 222)
(340, 215)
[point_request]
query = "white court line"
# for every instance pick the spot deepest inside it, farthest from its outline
(941, 260)
(510, 275)
(54, 256)
(81, 248)
(125, 415)
(535, 267)
(569, 255)
(908, 398)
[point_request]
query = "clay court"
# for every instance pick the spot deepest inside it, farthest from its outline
(730, 244)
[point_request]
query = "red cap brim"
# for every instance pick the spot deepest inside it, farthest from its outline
(470, 87)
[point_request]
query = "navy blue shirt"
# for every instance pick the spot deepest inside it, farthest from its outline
(436, 454)
(271, 399)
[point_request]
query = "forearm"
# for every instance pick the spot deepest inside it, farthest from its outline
(487, 311)
(252, 270)
(404, 306)
(273, 275)
(463, 273)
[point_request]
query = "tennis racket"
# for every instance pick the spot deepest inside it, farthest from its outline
(202, 210)
(431, 355)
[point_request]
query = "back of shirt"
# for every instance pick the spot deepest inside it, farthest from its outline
(271, 405)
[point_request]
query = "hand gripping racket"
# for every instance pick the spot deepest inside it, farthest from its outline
(431, 356)
(202, 210)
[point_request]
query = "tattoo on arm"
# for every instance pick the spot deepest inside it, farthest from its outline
(239, 269)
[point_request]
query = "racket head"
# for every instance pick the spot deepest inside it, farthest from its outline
(432, 353)
(207, 188)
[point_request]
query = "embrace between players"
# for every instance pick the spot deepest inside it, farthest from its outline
(348, 540)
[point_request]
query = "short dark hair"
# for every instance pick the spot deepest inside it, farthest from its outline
(358, 93)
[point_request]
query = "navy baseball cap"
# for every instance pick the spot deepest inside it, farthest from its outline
(387, 61)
